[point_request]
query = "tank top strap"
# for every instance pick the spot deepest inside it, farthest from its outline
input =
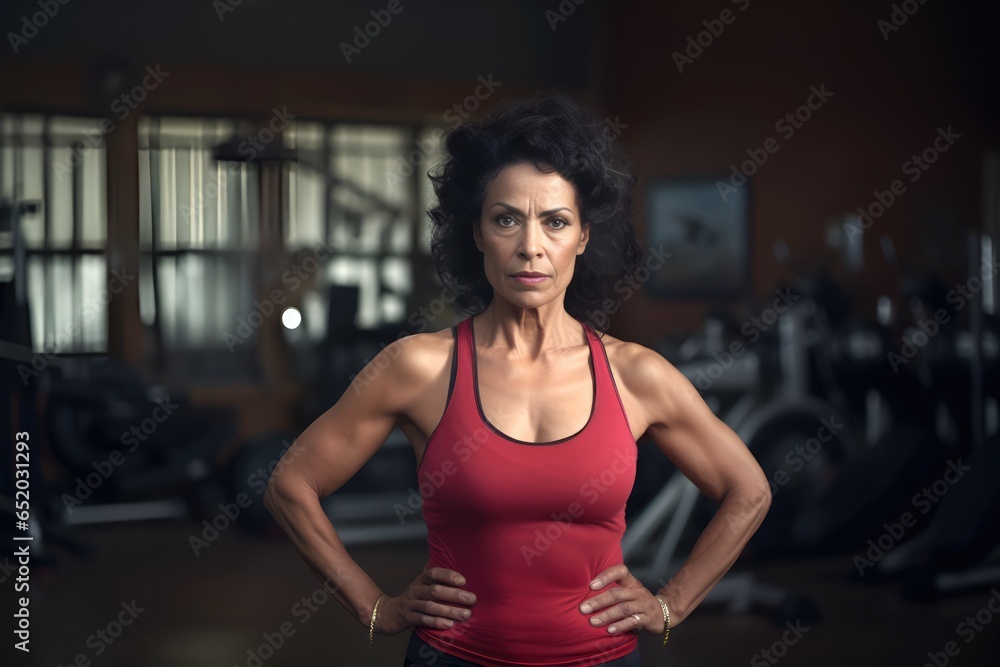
(602, 371)
(464, 352)
(607, 388)
(608, 407)
(463, 358)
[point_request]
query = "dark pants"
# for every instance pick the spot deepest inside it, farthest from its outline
(421, 654)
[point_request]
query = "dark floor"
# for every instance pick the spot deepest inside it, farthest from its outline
(210, 610)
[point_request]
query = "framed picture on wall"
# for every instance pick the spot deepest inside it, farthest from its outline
(705, 223)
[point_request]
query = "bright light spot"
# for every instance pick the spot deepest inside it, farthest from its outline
(291, 318)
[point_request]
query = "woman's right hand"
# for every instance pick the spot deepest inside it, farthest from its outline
(426, 603)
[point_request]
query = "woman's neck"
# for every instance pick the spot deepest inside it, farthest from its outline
(528, 332)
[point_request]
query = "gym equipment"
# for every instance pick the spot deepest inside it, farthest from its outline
(118, 439)
(135, 452)
(957, 547)
(16, 353)
(380, 503)
(765, 394)
(960, 549)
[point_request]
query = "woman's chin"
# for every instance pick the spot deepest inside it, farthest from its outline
(527, 299)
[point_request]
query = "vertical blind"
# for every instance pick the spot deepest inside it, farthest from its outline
(59, 162)
(354, 189)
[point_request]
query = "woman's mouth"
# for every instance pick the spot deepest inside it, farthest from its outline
(529, 278)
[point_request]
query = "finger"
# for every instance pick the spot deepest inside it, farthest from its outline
(447, 611)
(614, 595)
(627, 624)
(431, 621)
(443, 575)
(621, 607)
(613, 573)
(450, 594)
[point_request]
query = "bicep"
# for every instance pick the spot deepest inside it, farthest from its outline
(703, 447)
(339, 442)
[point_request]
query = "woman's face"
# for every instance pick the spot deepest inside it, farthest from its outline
(530, 222)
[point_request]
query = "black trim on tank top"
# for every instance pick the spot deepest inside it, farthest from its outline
(479, 405)
(447, 403)
(621, 403)
(454, 367)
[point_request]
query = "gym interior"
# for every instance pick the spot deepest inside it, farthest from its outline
(213, 217)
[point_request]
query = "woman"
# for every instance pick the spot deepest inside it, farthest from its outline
(524, 420)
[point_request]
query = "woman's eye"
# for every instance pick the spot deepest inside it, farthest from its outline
(561, 223)
(504, 217)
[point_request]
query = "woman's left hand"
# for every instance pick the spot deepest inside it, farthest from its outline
(618, 607)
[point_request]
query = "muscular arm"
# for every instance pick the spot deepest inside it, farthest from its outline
(714, 458)
(327, 454)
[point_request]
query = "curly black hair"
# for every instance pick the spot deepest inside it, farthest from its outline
(553, 132)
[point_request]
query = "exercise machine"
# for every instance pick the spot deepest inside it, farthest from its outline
(764, 393)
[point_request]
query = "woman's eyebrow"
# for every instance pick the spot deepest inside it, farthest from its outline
(513, 209)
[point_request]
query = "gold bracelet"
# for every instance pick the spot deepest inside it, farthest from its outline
(666, 619)
(371, 627)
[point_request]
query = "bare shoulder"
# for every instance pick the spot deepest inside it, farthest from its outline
(406, 369)
(649, 379)
(633, 363)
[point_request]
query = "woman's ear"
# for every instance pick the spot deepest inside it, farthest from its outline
(477, 236)
(584, 239)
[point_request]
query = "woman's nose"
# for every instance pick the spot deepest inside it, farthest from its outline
(530, 240)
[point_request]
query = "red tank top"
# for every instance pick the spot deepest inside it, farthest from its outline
(529, 525)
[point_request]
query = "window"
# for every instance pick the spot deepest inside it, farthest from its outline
(336, 210)
(199, 241)
(355, 189)
(59, 163)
